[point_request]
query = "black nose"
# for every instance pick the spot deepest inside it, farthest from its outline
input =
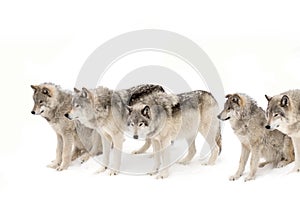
(219, 116)
(268, 127)
(33, 112)
(136, 137)
(67, 115)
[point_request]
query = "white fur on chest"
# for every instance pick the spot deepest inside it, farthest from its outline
(244, 140)
(56, 127)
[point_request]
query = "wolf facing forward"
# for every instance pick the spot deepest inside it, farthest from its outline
(162, 118)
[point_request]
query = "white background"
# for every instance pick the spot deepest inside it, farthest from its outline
(255, 46)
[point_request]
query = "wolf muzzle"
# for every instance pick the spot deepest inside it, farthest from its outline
(34, 113)
(219, 117)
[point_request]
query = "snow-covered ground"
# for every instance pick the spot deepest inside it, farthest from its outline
(254, 46)
(25, 176)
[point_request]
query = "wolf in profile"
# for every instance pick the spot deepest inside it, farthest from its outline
(105, 110)
(73, 139)
(248, 123)
(162, 118)
(283, 113)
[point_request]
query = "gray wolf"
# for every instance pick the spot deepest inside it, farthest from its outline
(73, 139)
(104, 109)
(162, 118)
(283, 114)
(248, 123)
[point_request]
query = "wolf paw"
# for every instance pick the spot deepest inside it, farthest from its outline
(296, 169)
(101, 170)
(153, 172)
(136, 152)
(282, 164)
(261, 165)
(53, 165)
(84, 159)
(74, 157)
(208, 164)
(162, 175)
(234, 177)
(182, 162)
(113, 173)
(61, 167)
(249, 178)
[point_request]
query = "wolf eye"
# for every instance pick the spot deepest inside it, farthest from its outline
(77, 105)
(275, 115)
(141, 124)
(131, 124)
(41, 101)
(229, 108)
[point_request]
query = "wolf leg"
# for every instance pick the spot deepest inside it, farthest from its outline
(59, 147)
(165, 153)
(214, 149)
(117, 154)
(288, 152)
(243, 160)
(68, 142)
(97, 148)
(106, 143)
(191, 152)
(210, 132)
(263, 164)
(253, 164)
(156, 155)
(296, 144)
(84, 157)
(209, 127)
(76, 153)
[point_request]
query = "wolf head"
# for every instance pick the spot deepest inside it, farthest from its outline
(139, 118)
(44, 98)
(82, 106)
(278, 111)
(232, 107)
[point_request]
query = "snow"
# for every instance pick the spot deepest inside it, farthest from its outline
(254, 46)
(24, 176)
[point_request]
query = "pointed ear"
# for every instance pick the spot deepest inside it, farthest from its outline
(268, 97)
(34, 87)
(238, 100)
(47, 92)
(129, 109)
(76, 90)
(146, 111)
(85, 93)
(285, 101)
(228, 96)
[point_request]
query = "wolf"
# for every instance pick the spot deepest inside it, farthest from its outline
(248, 123)
(283, 113)
(105, 110)
(162, 118)
(51, 102)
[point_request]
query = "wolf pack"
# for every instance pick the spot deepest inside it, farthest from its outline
(93, 122)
